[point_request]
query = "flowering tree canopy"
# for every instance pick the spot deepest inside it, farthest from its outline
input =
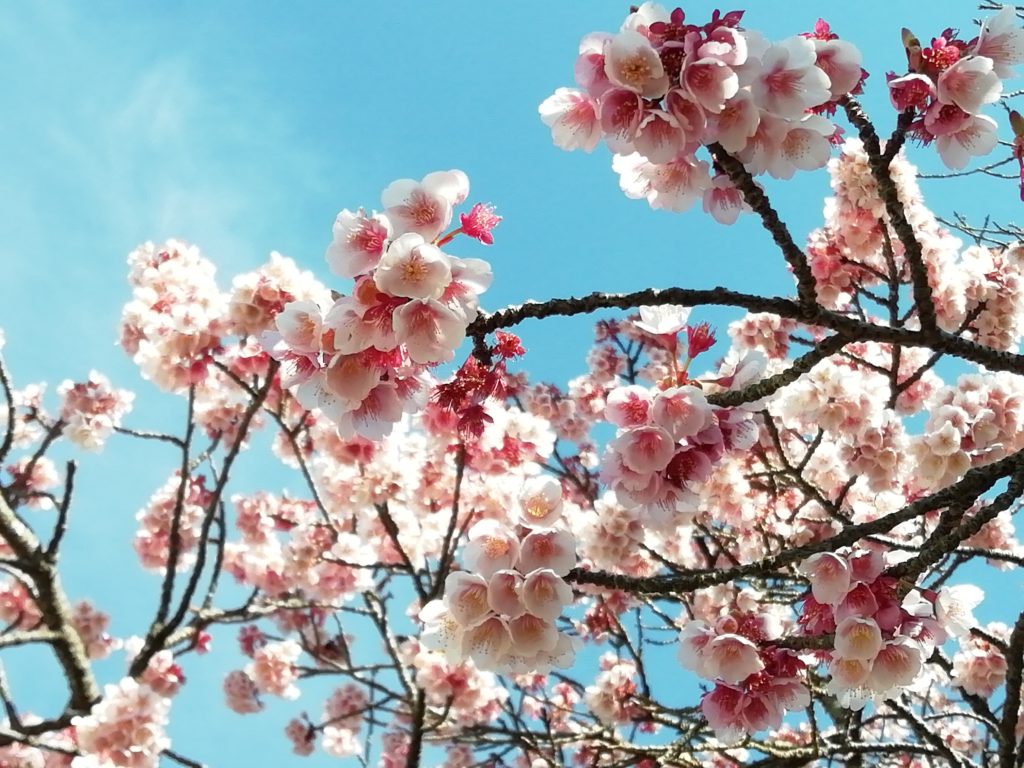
(494, 570)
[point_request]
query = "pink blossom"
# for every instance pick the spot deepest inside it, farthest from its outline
(663, 319)
(725, 44)
(488, 642)
(644, 449)
(273, 668)
(672, 186)
(682, 411)
(359, 242)
(424, 207)
(441, 632)
(731, 658)
(976, 138)
(504, 593)
(693, 641)
(723, 200)
(710, 82)
(429, 330)
(859, 601)
(897, 664)
(969, 83)
(376, 415)
(163, 675)
(632, 63)
(840, 61)
(1001, 39)
(532, 634)
(492, 547)
(954, 606)
(789, 83)
(689, 116)
(723, 708)
(621, 113)
(848, 673)
(911, 91)
(737, 122)
(465, 594)
(658, 137)
(545, 594)
(540, 502)
(628, 406)
(829, 575)
(413, 268)
(589, 68)
(858, 637)
(302, 736)
(479, 222)
(554, 549)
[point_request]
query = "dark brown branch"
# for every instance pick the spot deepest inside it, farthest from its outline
(897, 215)
(449, 544)
(1011, 706)
(5, 385)
(61, 526)
(773, 384)
(55, 609)
(850, 327)
(952, 529)
(759, 203)
(174, 544)
(976, 482)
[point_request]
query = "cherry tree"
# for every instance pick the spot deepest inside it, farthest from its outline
(493, 570)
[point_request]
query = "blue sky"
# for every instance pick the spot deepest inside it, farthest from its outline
(245, 127)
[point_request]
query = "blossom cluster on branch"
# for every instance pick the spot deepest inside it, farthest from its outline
(490, 568)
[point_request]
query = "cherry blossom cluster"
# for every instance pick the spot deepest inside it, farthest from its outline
(950, 81)
(28, 410)
(470, 695)
(294, 563)
(258, 297)
(157, 519)
(342, 721)
(756, 682)
(125, 729)
(501, 612)
(977, 289)
(979, 667)
(974, 422)
(660, 88)
(172, 325)
(92, 410)
(364, 360)
(33, 479)
(880, 642)
(91, 625)
(670, 438)
(612, 695)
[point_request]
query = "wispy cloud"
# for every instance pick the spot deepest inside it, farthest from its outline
(114, 132)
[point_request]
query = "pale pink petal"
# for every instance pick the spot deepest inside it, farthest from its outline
(545, 594)
(504, 593)
(540, 502)
(532, 634)
(465, 594)
(858, 637)
(548, 549)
